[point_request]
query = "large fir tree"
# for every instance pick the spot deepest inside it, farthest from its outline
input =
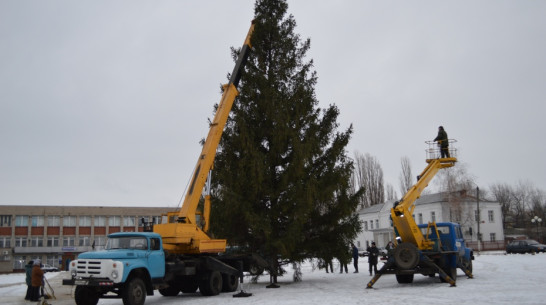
(281, 178)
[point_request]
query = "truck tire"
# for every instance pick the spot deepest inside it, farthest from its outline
(170, 291)
(404, 278)
(230, 282)
(85, 296)
(406, 256)
(467, 264)
(134, 292)
(211, 284)
(256, 270)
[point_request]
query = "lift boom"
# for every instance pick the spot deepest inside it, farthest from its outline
(182, 234)
(401, 214)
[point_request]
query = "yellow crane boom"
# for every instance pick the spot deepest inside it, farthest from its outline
(181, 234)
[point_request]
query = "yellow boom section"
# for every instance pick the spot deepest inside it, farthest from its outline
(402, 214)
(182, 234)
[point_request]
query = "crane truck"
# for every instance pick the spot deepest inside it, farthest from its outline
(179, 255)
(428, 249)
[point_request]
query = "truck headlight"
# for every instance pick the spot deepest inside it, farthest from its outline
(73, 272)
(114, 274)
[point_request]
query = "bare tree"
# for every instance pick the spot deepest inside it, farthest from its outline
(406, 177)
(390, 193)
(369, 175)
(502, 193)
(522, 202)
(453, 179)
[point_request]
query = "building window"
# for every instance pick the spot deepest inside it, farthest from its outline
(490, 216)
(371, 224)
(4, 257)
(432, 216)
(420, 218)
(53, 241)
(20, 241)
(114, 221)
(5, 242)
(100, 221)
(85, 221)
(5, 220)
(493, 236)
(128, 221)
(476, 215)
(53, 221)
(69, 221)
(36, 241)
(68, 241)
(156, 219)
(19, 262)
(37, 221)
(53, 260)
(84, 241)
(100, 241)
(365, 226)
(377, 223)
(21, 221)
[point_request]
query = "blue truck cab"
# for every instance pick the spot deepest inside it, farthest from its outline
(449, 246)
(129, 266)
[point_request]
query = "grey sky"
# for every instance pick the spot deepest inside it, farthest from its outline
(104, 102)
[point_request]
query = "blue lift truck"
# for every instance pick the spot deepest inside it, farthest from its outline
(428, 249)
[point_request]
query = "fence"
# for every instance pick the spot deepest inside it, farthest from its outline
(487, 245)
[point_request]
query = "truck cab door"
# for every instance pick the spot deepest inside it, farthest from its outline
(156, 259)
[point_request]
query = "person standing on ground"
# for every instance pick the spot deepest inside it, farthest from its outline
(443, 142)
(389, 248)
(36, 281)
(355, 257)
(373, 254)
(344, 259)
(28, 279)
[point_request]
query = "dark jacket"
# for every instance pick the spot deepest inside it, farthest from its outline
(442, 138)
(373, 253)
(355, 252)
(28, 272)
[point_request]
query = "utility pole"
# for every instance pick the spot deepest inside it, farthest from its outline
(479, 220)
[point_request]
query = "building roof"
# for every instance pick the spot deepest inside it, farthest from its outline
(424, 199)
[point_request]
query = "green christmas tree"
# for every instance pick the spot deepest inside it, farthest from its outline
(281, 176)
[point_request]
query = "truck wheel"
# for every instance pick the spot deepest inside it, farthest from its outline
(404, 278)
(230, 282)
(134, 292)
(85, 296)
(169, 291)
(256, 270)
(212, 284)
(406, 256)
(468, 264)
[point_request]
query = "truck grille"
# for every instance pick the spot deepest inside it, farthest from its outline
(88, 267)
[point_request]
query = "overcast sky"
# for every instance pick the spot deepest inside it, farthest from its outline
(104, 102)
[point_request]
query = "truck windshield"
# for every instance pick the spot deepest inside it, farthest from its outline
(127, 242)
(441, 230)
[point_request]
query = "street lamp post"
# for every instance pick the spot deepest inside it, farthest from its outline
(537, 220)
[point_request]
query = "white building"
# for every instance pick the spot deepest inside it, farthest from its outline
(443, 207)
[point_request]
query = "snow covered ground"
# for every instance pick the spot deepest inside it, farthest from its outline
(498, 279)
